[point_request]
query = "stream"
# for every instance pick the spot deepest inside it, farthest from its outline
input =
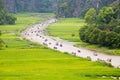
(36, 33)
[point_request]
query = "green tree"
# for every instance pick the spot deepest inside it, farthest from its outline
(117, 29)
(116, 8)
(106, 31)
(10, 19)
(94, 36)
(105, 15)
(112, 39)
(90, 16)
(5, 18)
(101, 38)
(2, 14)
(65, 8)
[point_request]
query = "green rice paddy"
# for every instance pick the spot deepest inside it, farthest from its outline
(24, 60)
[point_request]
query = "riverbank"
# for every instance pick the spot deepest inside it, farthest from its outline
(36, 34)
(68, 29)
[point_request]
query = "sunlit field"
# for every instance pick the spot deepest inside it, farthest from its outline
(46, 64)
(68, 29)
(65, 28)
(21, 59)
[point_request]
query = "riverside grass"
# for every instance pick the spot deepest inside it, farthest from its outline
(24, 60)
(66, 27)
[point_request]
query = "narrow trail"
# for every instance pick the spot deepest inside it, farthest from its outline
(36, 33)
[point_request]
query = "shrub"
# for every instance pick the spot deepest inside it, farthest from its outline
(10, 19)
(97, 36)
(105, 31)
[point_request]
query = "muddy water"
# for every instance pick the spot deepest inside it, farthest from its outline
(36, 33)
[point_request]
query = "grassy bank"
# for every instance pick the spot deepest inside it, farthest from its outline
(24, 60)
(68, 29)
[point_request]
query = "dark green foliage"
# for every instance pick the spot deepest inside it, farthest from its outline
(28, 5)
(1, 42)
(65, 8)
(6, 18)
(90, 16)
(117, 29)
(0, 33)
(44, 6)
(97, 36)
(78, 8)
(72, 35)
(10, 19)
(106, 31)
(62, 8)
(116, 8)
(105, 15)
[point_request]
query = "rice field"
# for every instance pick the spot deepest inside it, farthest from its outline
(21, 59)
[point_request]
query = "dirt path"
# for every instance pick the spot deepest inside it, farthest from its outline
(35, 33)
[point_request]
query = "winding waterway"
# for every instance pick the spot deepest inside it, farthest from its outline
(36, 33)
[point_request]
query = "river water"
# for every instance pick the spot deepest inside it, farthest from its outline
(36, 33)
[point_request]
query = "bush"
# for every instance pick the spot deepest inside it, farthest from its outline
(5, 18)
(117, 29)
(10, 19)
(1, 43)
(97, 36)
(105, 31)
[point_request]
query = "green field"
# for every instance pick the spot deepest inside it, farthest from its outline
(24, 60)
(66, 27)
(45, 64)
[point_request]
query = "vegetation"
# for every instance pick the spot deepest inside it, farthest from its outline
(1, 42)
(66, 27)
(28, 6)
(90, 16)
(77, 8)
(5, 18)
(62, 8)
(103, 29)
(19, 56)
(21, 59)
(10, 33)
(49, 64)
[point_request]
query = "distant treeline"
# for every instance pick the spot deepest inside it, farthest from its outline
(102, 28)
(78, 8)
(28, 5)
(6, 18)
(62, 8)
